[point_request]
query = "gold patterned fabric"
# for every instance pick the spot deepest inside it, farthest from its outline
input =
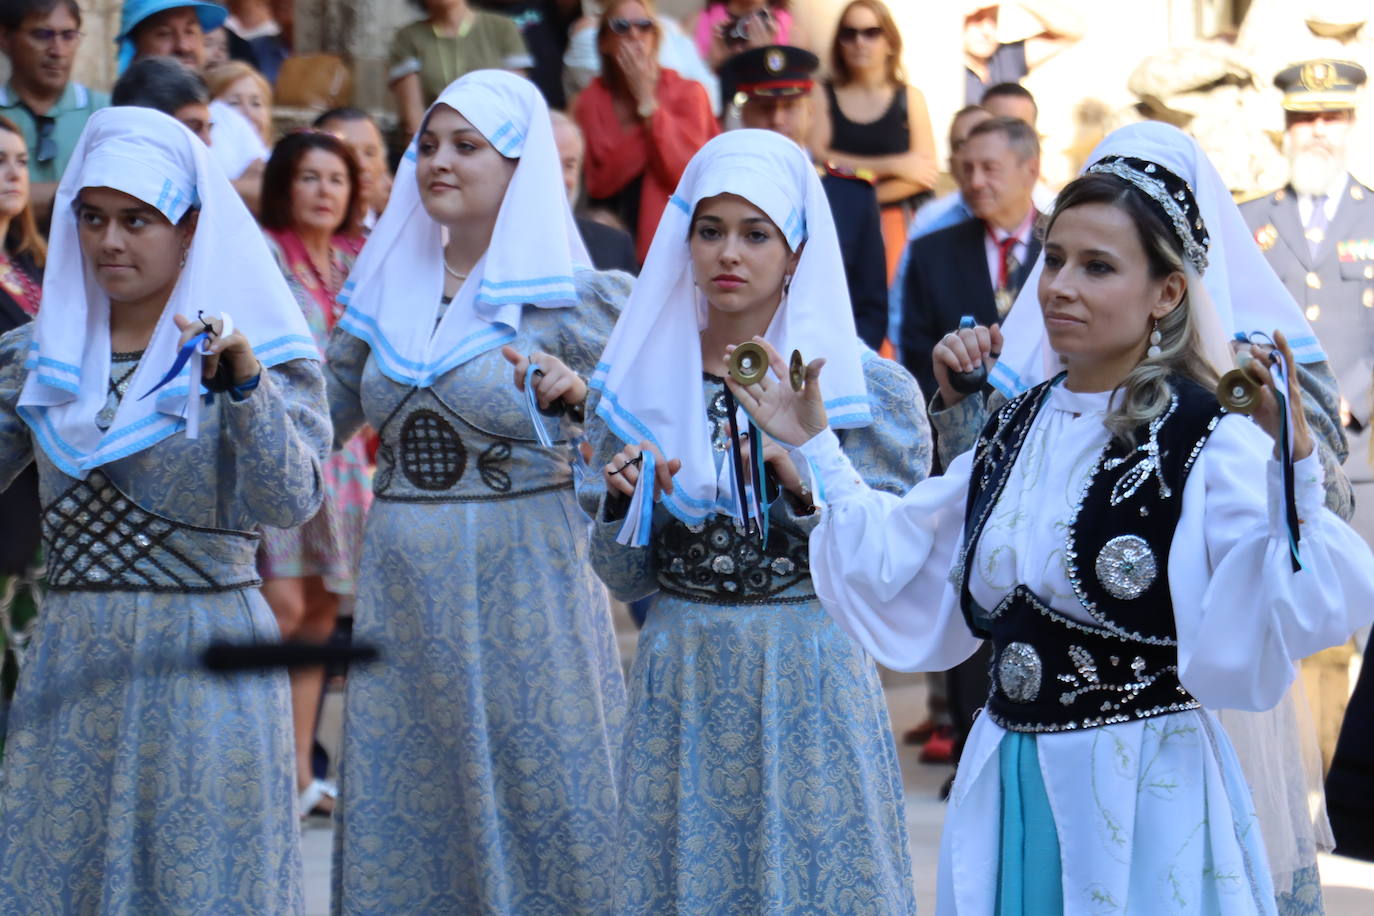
(759, 773)
(478, 770)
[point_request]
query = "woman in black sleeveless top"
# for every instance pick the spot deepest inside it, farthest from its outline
(874, 124)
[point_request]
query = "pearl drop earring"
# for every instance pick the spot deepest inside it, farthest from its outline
(1155, 339)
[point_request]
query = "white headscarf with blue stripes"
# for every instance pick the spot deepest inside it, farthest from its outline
(1245, 292)
(394, 290)
(228, 268)
(650, 373)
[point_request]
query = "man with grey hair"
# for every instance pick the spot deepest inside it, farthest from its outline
(1317, 233)
(609, 247)
(975, 267)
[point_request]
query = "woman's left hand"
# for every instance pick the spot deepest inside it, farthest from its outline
(1267, 412)
(558, 382)
(789, 416)
(234, 349)
(766, 28)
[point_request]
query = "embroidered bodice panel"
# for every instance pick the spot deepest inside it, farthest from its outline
(469, 436)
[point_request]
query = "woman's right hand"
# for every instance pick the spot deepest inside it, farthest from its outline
(641, 74)
(622, 471)
(962, 351)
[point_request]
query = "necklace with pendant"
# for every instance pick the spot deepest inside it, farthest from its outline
(119, 385)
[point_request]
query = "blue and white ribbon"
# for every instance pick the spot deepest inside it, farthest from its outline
(639, 518)
(541, 431)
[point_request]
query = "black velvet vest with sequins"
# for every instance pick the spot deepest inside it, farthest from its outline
(1050, 672)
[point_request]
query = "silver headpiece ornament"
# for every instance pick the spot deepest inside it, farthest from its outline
(1172, 197)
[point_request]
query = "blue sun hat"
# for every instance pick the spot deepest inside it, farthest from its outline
(211, 16)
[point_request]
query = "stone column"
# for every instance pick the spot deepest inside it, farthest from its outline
(95, 60)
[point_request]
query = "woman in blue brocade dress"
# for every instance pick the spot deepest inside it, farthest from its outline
(479, 754)
(134, 781)
(759, 773)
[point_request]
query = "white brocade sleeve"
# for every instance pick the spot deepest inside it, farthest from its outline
(1243, 615)
(880, 563)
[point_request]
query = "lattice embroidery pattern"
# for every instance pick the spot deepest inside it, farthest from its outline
(99, 539)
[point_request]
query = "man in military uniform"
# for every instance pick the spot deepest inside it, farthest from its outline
(1318, 234)
(774, 86)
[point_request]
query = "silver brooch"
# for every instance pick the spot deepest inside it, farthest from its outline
(1018, 672)
(1126, 566)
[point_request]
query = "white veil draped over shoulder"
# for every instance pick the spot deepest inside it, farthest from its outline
(650, 372)
(1239, 291)
(152, 157)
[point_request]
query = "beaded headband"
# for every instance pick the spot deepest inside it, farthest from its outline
(1170, 195)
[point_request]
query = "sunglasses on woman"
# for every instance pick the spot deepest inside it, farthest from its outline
(623, 26)
(849, 35)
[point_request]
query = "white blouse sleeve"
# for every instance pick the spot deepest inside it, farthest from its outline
(1243, 615)
(880, 563)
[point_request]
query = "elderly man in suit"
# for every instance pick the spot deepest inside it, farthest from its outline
(975, 267)
(610, 248)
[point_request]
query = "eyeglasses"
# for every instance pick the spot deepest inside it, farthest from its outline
(623, 26)
(49, 36)
(849, 35)
(47, 143)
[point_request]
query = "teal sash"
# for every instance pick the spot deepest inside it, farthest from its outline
(1029, 878)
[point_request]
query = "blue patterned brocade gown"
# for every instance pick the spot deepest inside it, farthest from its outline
(133, 782)
(479, 752)
(759, 773)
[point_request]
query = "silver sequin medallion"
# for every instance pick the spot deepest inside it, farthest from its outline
(1018, 672)
(1126, 566)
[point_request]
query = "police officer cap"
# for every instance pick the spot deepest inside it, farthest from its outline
(775, 70)
(1320, 85)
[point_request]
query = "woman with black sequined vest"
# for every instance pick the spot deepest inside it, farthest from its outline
(759, 773)
(1125, 544)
